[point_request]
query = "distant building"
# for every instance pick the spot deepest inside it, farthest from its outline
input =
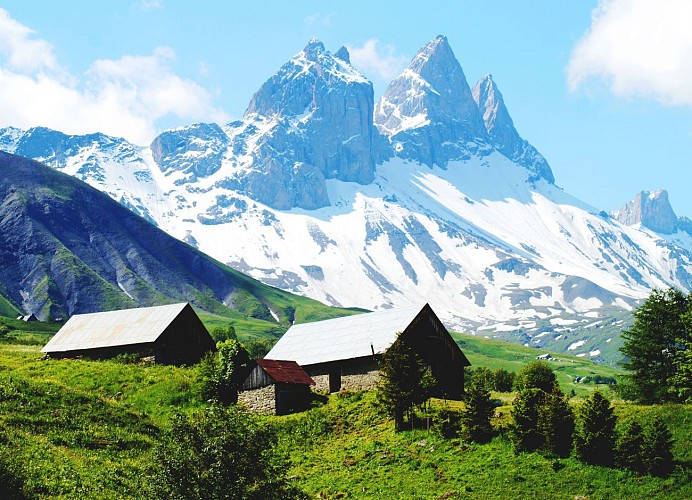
(344, 352)
(28, 317)
(171, 334)
(284, 387)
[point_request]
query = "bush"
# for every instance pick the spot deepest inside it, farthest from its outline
(595, 436)
(219, 453)
(405, 382)
(536, 375)
(446, 423)
(480, 377)
(221, 334)
(223, 371)
(504, 380)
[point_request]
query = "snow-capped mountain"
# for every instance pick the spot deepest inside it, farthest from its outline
(431, 195)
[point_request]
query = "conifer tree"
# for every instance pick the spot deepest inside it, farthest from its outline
(524, 432)
(658, 446)
(405, 381)
(630, 451)
(595, 432)
(556, 423)
(475, 418)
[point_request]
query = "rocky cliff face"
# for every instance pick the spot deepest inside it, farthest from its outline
(320, 110)
(428, 112)
(503, 136)
(196, 150)
(650, 209)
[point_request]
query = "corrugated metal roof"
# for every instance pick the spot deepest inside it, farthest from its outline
(343, 338)
(288, 372)
(113, 328)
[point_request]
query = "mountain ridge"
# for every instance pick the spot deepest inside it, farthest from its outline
(464, 214)
(68, 248)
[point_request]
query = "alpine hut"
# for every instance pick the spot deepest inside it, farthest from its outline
(349, 347)
(171, 334)
(287, 381)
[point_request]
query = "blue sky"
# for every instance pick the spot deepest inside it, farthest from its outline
(602, 89)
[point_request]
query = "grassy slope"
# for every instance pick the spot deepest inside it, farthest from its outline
(495, 354)
(87, 428)
(347, 450)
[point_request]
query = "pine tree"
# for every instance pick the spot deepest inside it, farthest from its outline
(595, 432)
(475, 418)
(630, 451)
(556, 424)
(405, 381)
(524, 431)
(651, 346)
(658, 445)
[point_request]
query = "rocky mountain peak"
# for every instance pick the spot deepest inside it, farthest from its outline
(314, 49)
(343, 54)
(321, 108)
(650, 209)
(502, 133)
(428, 111)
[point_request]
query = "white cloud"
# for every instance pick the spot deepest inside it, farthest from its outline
(150, 4)
(377, 60)
(124, 97)
(638, 48)
(319, 19)
(20, 50)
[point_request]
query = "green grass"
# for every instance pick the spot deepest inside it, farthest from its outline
(88, 428)
(495, 354)
(346, 449)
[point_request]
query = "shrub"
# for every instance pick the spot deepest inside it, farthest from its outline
(595, 433)
(504, 380)
(219, 453)
(221, 372)
(221, 334)
(475, 418)
(446, 423)
(536, 375)
(480, 377)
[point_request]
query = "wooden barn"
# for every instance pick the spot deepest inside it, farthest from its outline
(172, 334)
(286, 379)
(349, 347)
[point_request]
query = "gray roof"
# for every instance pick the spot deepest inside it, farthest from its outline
(343, 338)
(113, 328)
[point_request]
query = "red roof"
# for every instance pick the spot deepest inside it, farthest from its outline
(287, 372)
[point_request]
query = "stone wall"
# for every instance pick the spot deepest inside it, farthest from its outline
(263, 400)
(259, 400)
(349, 381)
